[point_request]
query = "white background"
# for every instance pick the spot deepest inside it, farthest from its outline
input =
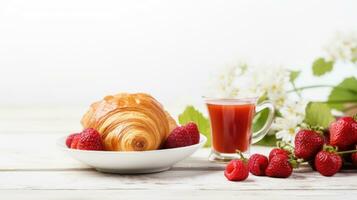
(72, 52)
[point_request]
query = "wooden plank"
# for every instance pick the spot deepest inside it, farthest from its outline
(39, 151)
(176, 194)
(173, 179)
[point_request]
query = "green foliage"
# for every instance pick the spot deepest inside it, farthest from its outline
(258, 123)
(294, 75)
(191, 114)
(268, 140)
(318, 114)
(343, 93)
(321, 66)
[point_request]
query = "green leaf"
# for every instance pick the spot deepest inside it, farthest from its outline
(191, 114)
(294, 75)
(260, 119)
(343, 93)
(318, 114)
(268, 140)
(321, 66)
(258, 123)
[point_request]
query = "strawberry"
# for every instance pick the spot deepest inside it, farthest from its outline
(74, 143)
(327, 161)
(278, 151)
(257, 164)
(179, 137)
(90, 139)
(308, 143)
(70, 139)
(237, 170)
(279, 167)
(343, 132)
(193, 131)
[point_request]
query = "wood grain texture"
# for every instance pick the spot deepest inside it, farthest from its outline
(31, 167)
(176, 194)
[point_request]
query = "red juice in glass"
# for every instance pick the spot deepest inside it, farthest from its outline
(231, 126)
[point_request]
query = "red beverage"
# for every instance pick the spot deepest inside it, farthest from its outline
(231, 126)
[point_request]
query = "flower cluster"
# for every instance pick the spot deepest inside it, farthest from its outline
(243, 81)
(343, 47)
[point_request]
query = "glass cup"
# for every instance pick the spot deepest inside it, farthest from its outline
(231, 126)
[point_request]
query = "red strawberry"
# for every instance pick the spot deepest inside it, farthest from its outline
(307, 144)
(179, 137)
(70, 139)
(257, 164)
(328, 162)
(74, 143)
(193, 131)
(278, 151)
(237, 170)
(279, 167)
(90, 139)
(343, 132)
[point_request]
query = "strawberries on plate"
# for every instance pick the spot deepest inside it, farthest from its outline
(88, 139)
(183, 136)
(179, 137)
(193, 131)
(70, 139)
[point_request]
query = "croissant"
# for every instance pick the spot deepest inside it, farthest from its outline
(129, 122)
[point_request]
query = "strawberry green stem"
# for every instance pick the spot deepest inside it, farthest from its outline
(346, 152)
(355, 117)
(241, 155)
(322, 86)
(330, 148)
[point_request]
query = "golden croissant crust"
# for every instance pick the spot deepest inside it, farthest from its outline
(129, 122)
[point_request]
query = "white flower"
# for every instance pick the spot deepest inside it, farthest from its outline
(224, 86)
(343, 46)
(243, 81)
(286, 128)
(292, 115)
(294, 108)
(273, 83)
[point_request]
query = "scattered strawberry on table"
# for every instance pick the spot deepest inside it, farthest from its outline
(343, 133)
(327, 151)
(257, 164)
(308, 143)
(237, 170)
(279, 166)
(327, 161)
(278, 151)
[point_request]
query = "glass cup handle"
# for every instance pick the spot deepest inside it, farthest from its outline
(258, 135)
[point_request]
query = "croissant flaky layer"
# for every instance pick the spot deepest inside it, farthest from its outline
(129, 122)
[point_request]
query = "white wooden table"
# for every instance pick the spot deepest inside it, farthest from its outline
(31, 167)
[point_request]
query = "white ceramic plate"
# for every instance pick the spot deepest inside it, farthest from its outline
(132, 162)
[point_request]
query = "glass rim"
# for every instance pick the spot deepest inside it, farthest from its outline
(230, 101)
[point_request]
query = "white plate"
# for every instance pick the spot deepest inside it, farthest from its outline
(133, 162)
